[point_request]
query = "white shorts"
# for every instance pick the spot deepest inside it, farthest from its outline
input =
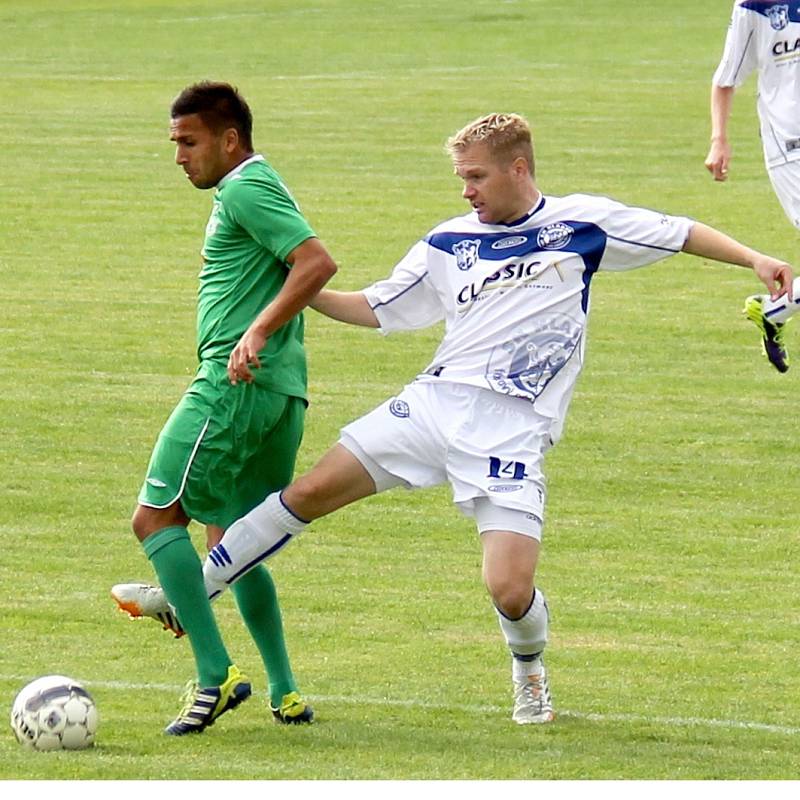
(490, 447)
(785, 180)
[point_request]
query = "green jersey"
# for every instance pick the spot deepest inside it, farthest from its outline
(254, 225)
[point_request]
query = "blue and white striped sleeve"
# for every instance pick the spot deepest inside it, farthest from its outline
(407, 299)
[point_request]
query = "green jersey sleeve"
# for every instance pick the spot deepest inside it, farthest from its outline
(265, 209)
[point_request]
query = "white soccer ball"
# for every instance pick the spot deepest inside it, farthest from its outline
(54, 713)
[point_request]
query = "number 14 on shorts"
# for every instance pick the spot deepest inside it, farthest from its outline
(498, 468)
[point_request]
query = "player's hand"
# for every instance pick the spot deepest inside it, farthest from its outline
(718, 160)
(245, 355)
(775, 275)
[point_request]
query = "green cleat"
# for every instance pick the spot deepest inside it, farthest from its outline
(293, 710)
(201, 707)
(772, 333)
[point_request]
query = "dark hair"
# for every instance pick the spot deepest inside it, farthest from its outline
(219, 105)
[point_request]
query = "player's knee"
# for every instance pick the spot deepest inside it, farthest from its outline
(308, 497)
(512, 598)
(146, 520)
(140, 523)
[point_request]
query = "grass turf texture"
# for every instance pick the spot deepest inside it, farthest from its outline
(670, 548)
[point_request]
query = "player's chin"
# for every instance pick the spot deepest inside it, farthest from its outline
(201, 183)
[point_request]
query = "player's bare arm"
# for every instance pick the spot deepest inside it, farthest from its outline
(350, 307)
(708, 242)
(312, 268)
(719, 154)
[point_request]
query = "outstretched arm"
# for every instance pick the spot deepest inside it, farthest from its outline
(349, 307)
(719, 155)
(710, 243)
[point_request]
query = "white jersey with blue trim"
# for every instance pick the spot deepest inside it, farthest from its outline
(515, 298)
(765, 36)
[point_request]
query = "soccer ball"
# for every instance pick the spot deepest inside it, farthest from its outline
(54, 713)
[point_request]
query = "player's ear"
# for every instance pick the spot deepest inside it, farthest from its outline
(230, 139)
(519, 167)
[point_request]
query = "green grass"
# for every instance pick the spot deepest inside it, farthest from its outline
(671, 540)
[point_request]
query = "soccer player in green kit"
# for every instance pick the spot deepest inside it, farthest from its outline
(233, 437)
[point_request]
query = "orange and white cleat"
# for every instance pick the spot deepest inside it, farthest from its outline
(139, 600)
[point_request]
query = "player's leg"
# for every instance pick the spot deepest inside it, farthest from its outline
(270, 467)
(509, 567)
(219, 686)
(338, 479)
(165, 539)
(382, 449)
(494, 464)
(770, 316)
(257, 599)
(175, 491)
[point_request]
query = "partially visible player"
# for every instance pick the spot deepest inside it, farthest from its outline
(765, 37)
(511, 280)
(227, 445)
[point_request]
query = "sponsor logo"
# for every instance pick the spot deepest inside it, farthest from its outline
(157, 483)
(466, 253)
(555, 236)
(505, 487)
(778, 16)
(514, 274)
(509, 241)
(399, 408)
(792, 144)
(784, 48)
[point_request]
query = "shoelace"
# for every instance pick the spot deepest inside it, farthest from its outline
(533, 690)
(188, 698)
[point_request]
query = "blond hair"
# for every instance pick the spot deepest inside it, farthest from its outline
(508, 137)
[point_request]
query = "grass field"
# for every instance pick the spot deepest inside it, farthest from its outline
(671, 545)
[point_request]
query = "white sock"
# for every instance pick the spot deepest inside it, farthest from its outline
(778, 311)
(246, 543)
(526, 637)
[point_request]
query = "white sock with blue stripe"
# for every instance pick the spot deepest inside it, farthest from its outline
(246, 543)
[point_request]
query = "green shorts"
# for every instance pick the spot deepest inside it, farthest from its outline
(224, 448)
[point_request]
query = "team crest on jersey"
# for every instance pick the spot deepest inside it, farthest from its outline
(778, 16)
(213, 220)
(555, 236)
(466, 253)
(399, 408)
(524, 365)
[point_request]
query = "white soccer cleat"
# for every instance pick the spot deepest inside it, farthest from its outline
(532, 702)
(142, 600)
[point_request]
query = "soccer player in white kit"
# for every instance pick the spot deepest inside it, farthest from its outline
(511, 280)
(765, 37)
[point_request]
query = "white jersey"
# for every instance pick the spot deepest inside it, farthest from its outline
(765, 36)
(515, 298)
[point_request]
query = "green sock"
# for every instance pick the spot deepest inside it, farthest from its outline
(180, 573)
(258, 604)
